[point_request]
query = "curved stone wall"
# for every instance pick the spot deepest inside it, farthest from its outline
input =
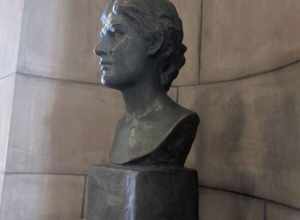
(241, 76)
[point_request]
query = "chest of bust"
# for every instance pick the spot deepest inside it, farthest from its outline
(136, 137)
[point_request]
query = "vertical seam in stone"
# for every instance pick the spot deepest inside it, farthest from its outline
(12, 107)
(21, 29)
(83, 198)
(2, 194)
(200, 40)
(130, 194)
(265, 210)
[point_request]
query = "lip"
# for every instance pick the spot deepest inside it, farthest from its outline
(105, 66)
(105, 62)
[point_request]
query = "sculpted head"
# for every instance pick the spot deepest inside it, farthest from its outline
(138, 36)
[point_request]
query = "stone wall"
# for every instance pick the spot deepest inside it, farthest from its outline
(6, 98)
(10, 25)
(241, 76)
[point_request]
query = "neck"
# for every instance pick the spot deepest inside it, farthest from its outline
(142, 98)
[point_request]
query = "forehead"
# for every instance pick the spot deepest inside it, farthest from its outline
(108, 19)
(110, 16)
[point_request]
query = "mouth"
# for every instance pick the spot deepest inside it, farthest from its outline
(105, 67)
(104, 62)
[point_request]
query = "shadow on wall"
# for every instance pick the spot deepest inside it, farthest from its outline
(249, 135)
(219, 139)
(217, 149)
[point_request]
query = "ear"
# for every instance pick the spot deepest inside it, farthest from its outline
(156, 43)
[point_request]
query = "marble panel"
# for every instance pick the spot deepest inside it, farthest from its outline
(218, 205)
(42, 197)
(10, 28)
(190, 13)
(242, 38)
(277, 212)
(58, 39)
(248, 139)
(6, 100)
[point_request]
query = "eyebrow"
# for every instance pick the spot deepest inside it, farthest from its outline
(104, 19)
(116, 24)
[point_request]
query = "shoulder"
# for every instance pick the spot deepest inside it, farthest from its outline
(187, 123)
(186, 117)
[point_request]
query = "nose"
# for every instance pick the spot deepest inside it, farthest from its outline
(99, 51)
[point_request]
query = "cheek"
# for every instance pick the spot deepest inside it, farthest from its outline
(121, 54)
(130, 57)
(120, 47)
(124, 54)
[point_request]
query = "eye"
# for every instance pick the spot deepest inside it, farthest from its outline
(117, 30)
(114, 31)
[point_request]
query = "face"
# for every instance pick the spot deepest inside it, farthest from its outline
(122, 52)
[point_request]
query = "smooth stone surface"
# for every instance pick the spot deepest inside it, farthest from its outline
(10, 27)
(277, 212)
(189, 74)
(66, 32)
(121, 193)
(1, 186)
(61, 126)
(241, 38)
(248, 139)
(218, 205)
(6, 100)
(42, 197)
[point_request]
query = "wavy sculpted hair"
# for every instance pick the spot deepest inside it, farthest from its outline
(152, 17)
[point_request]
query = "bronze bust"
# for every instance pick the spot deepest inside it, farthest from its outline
(141, 52)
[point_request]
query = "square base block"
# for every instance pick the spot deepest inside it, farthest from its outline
(142, 193)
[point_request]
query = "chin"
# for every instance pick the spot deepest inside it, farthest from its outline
(109, 82)
(114, 81)
(106, 79)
